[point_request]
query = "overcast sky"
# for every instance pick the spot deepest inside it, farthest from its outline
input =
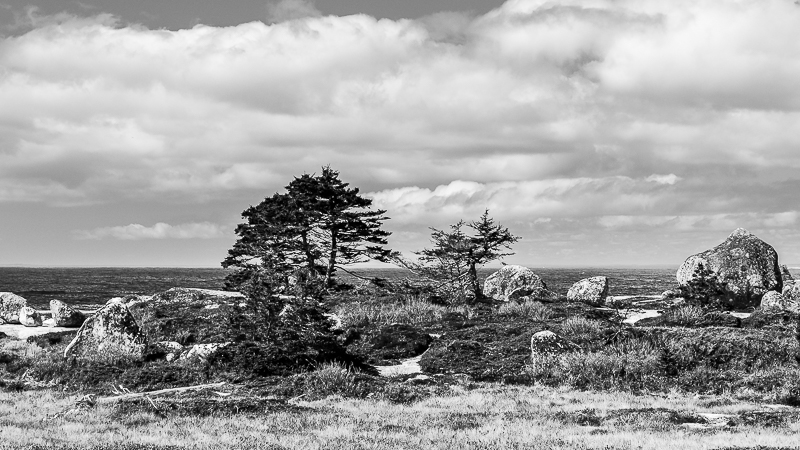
(602, 132)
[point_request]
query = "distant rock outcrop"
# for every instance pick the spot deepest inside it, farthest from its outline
(10, 304)
(744, 265)
(592, 291)
(29, 317)
(111, 332)
(64, 315)
(513, 282)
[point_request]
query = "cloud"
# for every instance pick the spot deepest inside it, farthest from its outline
(663, 179)
(284, 10)
(574, 111)
(135, 232)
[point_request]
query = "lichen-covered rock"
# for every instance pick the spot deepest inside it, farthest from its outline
(64, 315)
(194, 296)
(513, 282)
(744, 265)
(548, 343)
(777, 301)
(29, 317)
(111, 332)
(10, 304)
(592, 291)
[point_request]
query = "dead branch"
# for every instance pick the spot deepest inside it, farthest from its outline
(135, 395)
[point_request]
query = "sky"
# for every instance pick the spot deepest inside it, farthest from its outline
(601, 132)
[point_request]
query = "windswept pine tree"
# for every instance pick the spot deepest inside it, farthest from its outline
(319, 223)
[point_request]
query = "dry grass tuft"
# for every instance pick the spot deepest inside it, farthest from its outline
(410, 310)
(528, 309)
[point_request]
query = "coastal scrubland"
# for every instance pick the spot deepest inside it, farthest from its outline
(691, 378)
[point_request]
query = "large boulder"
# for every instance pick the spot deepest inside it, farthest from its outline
(10, 304)
(776, 301)
(64, 315)
(190, 316)
(745, 266)
(112, 332)
(513, 282)
(29, 317)
(592, 291)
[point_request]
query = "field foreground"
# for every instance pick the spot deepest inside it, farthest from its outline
(465, 416)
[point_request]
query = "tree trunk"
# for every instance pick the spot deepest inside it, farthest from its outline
(473, 279)
(331, 260)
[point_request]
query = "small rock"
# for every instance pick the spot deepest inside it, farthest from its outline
(548, 343)
(10, 304)
(419, 379)
(592, 291)
(49, 323)
(171, 350)
(29, 317)
(65, 316)
(669, 294)
(203, 351)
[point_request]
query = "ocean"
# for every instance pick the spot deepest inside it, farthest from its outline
(89, 287)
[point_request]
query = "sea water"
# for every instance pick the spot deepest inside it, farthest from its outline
(89, 287)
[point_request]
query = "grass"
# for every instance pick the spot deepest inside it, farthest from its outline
(489, 416)
(405, 309)
(527, 309)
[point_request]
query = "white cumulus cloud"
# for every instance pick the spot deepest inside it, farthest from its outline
(161, 230)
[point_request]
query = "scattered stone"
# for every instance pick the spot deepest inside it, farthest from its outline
(203, 351)
(777, 301)
(592, 291)
(65, 316)
(169, 349)
(10, 304)
(745, 266)
(419, 379)
(29, 317)
(513, 282)
(548, 343)
(112, 332)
